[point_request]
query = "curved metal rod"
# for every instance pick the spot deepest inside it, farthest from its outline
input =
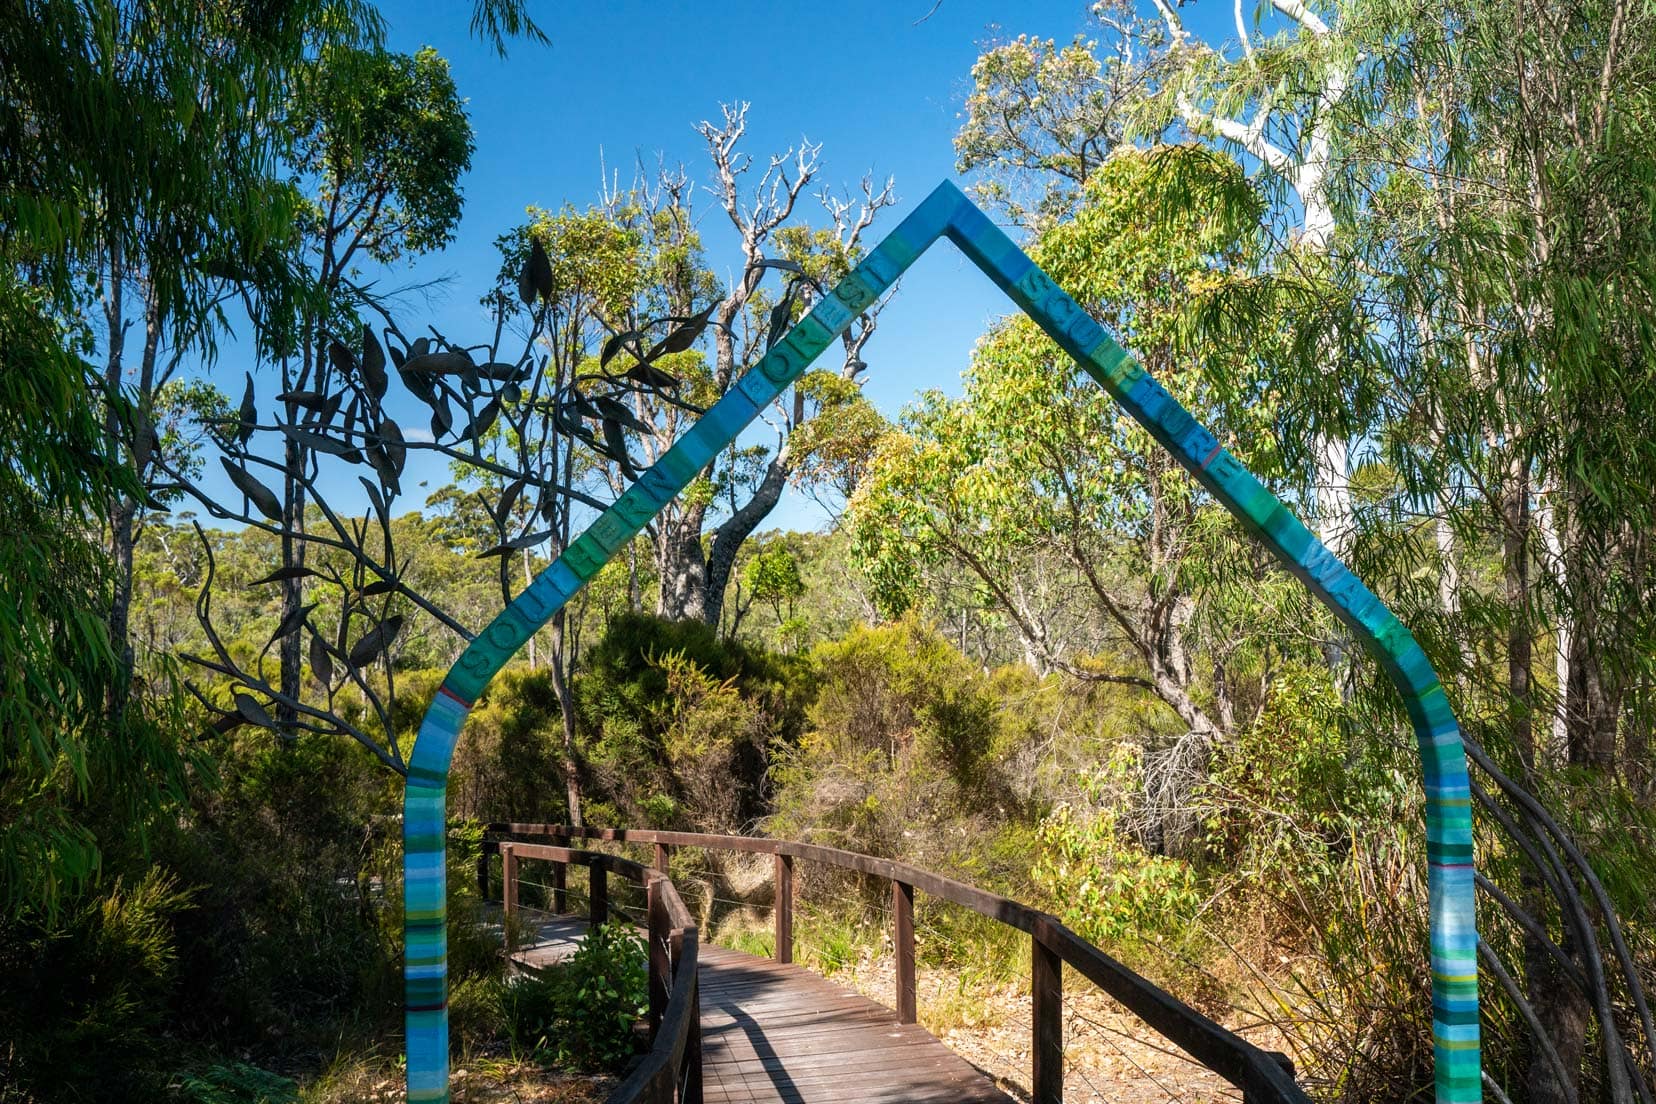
(947, 212)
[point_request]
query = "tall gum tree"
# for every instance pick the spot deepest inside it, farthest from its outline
(1110, 563)
(1276, 103)
(716, 331)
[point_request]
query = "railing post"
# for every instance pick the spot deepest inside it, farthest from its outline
(655, 910)
(483, 871)
(598, 895)
(1047, 1047)
(508, 892)
(902, 937)
(560, 898)
(662, 855)
(784, 908)
(692, 1093)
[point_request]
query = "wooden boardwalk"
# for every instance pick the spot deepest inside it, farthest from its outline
(779, 1034)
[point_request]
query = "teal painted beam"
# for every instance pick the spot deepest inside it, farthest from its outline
(947, 212)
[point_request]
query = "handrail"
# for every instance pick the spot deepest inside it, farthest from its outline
(1265, 1077)
(671, 1069)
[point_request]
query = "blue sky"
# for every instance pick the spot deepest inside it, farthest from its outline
(879, 85)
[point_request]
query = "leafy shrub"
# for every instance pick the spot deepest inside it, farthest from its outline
(678, 725)
(477, 1011)
(1102, 882)
(508, 763)
(579, 1013)
(236, 1083)
(94, 982)
(901, 744)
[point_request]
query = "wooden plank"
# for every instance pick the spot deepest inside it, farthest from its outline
(773, 1033)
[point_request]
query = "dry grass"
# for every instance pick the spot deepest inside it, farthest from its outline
(481, 1081)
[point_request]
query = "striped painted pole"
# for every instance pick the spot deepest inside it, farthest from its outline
(947, 212)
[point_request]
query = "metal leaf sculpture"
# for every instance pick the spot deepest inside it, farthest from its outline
(948, 213)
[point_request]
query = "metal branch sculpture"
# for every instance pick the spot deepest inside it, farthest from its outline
(946, 212)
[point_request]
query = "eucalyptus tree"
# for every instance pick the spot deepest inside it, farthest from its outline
(1109, 563)
(133, 143)
(1041, 117)
(178, 195)
(671, 377)
(384, 140)
(1497, 177)
(1276, 103)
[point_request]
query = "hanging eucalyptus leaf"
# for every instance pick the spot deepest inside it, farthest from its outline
(374, 495)
(422, 385)
(375, 641)
(439, 364)
(617, 411)
(540, 271)
(318, 443)
(324, 417)
(615, 344)
(379, 587)
(321, 660)
(373, 365)
(651, 376)
(567, 420)
(342, 360)
(283, 574)
(257, 493)
(252, 712)
(442, 418)
(616, 447)
(380, 461)
(780, 316)
(396, 449)
(248, 417)
(480, 424)
(498, 370)
(310, 400)
(685, 336)
(291, 622)
(511, 394)
(525, 285)
(517, 544)
(508, 499)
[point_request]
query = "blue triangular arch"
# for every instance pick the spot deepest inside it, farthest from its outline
(948, 213)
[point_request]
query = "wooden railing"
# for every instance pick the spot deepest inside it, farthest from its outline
(671, 1070)
(1265, 1077)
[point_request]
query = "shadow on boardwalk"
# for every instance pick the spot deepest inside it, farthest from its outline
(779, 1034)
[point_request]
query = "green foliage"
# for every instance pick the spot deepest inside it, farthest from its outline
(1101, 880)
(507, 765)
(389, 130)
(681, 724)
(773, 576)
(70, 755)
(579, 1013)
(906, 753)
(236, 1083)
(94, 981)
